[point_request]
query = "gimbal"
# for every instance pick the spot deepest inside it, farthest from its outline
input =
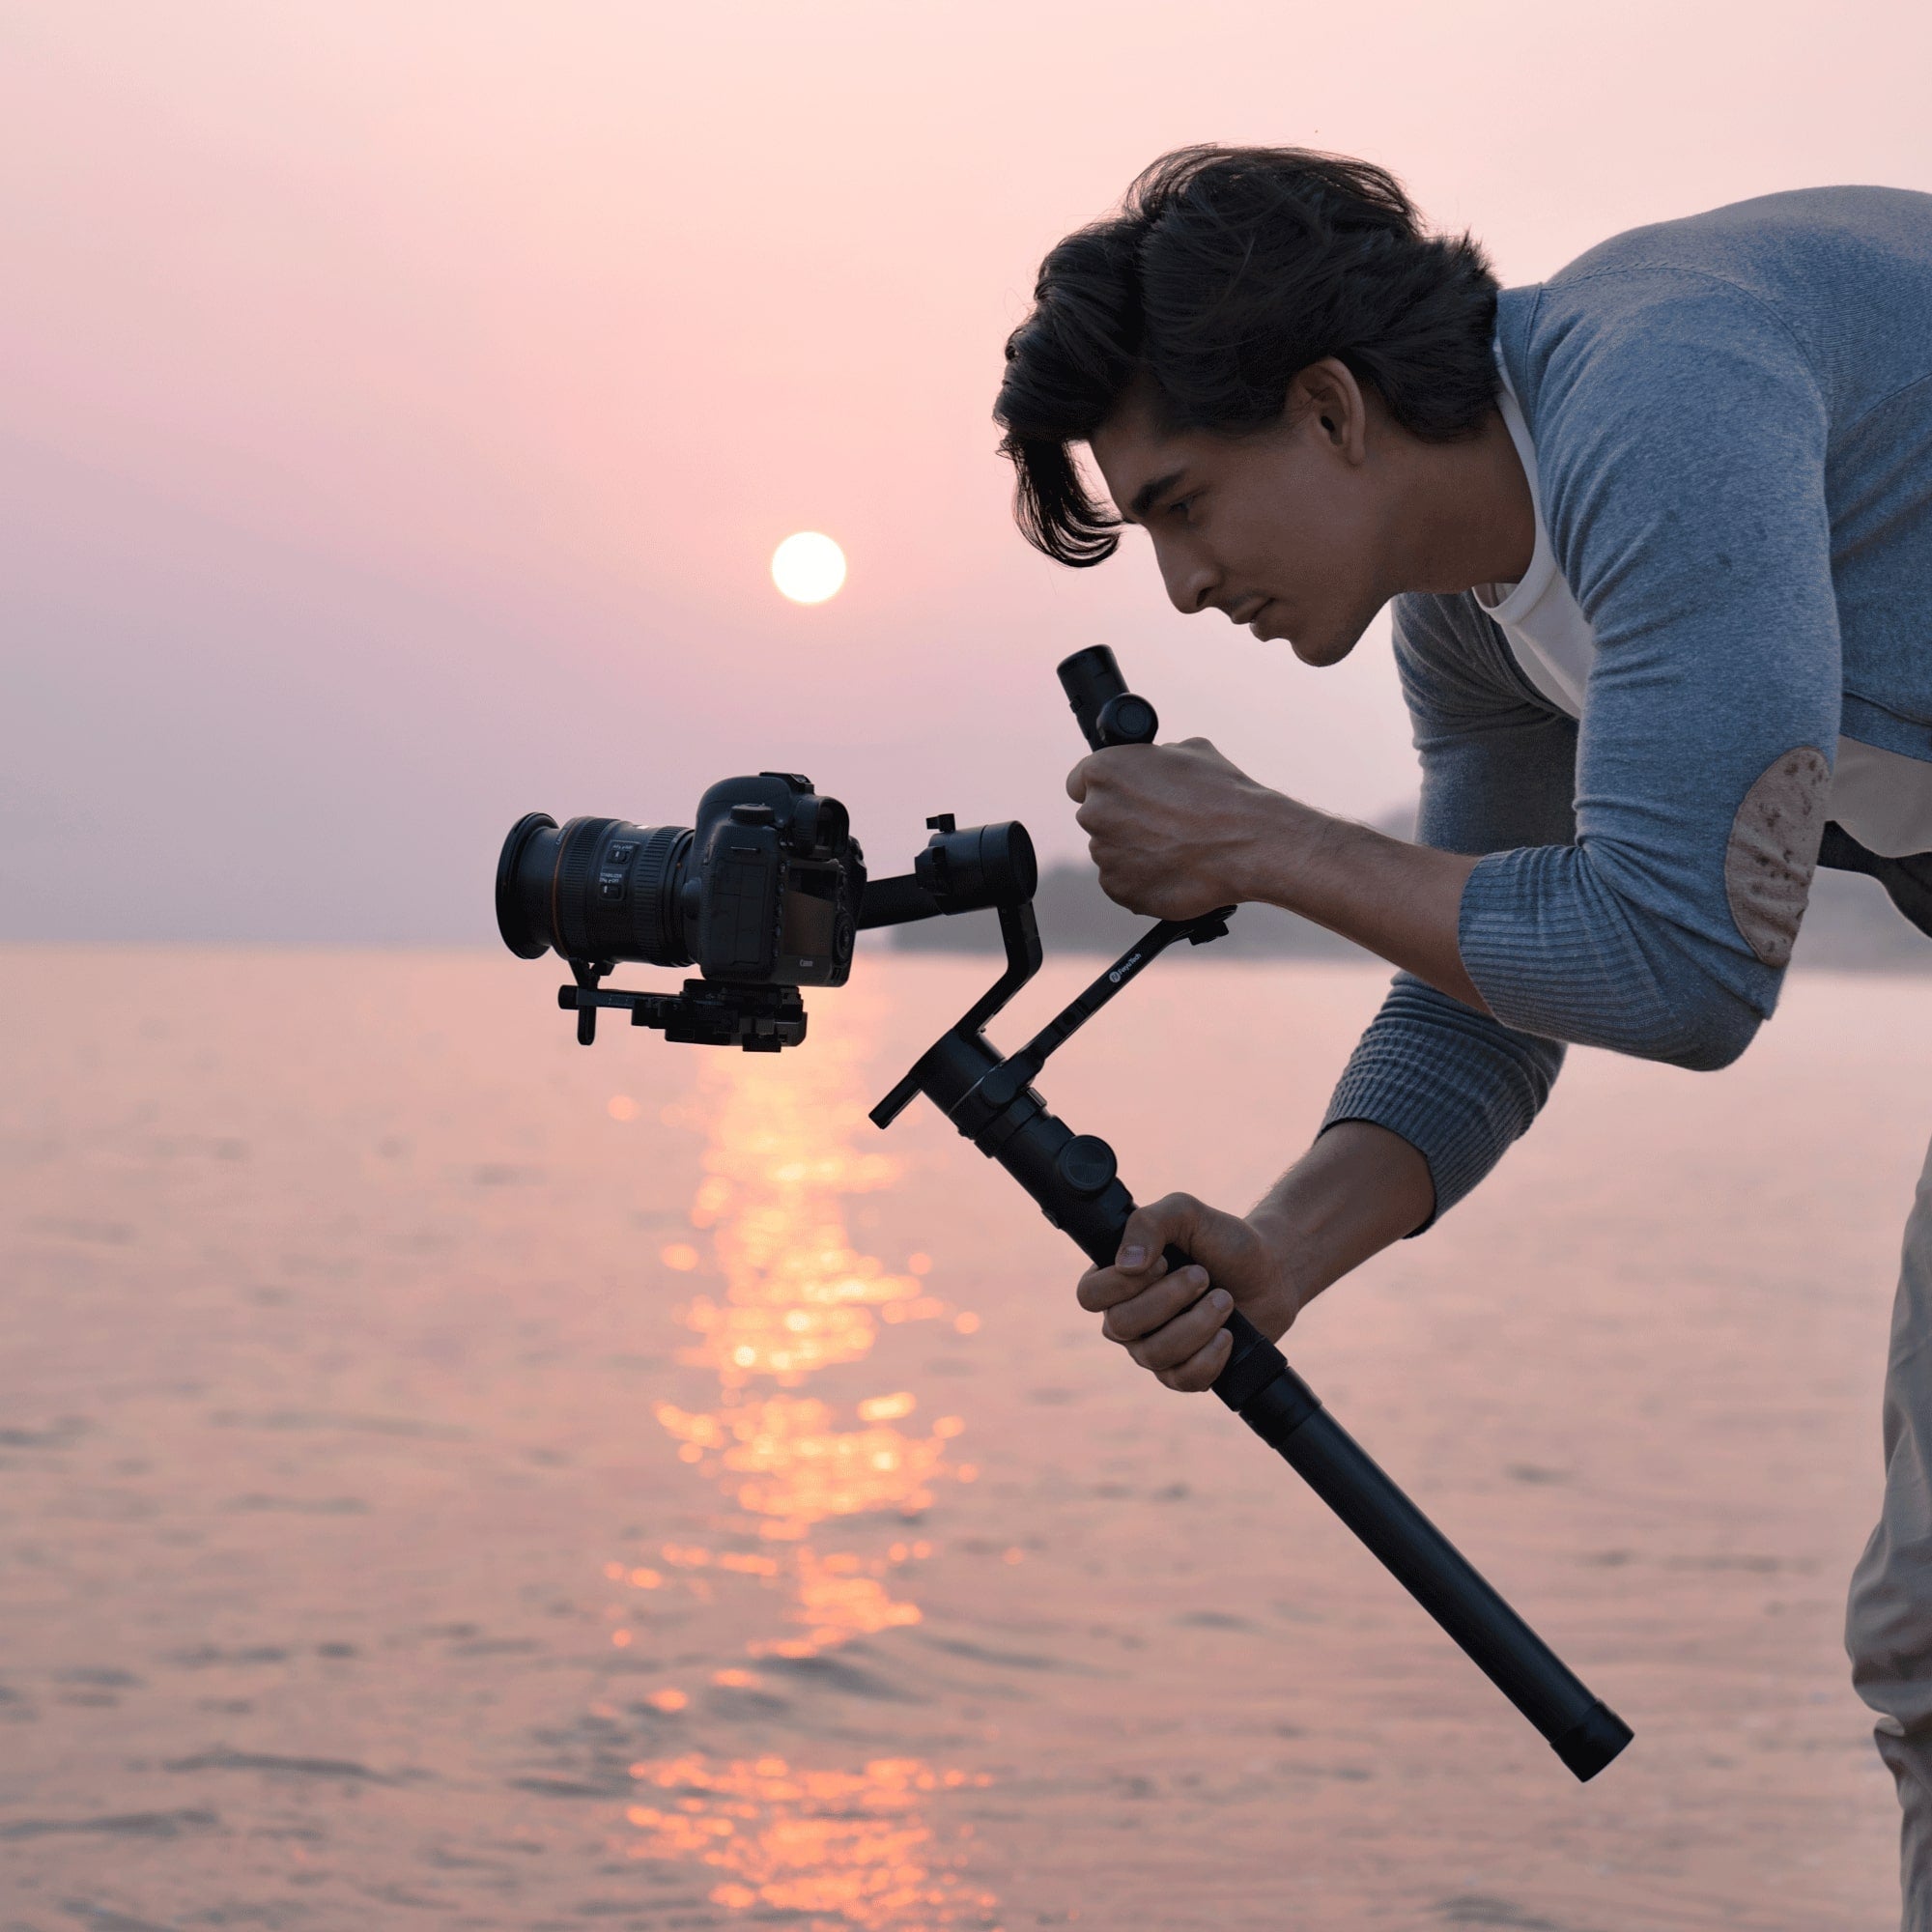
(1073, 1177)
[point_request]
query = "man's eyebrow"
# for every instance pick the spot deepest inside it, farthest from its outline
(1149, 494)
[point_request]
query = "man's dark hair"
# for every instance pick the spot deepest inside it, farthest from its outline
(1227, 272)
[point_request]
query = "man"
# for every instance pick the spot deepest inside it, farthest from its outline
(1658, 534)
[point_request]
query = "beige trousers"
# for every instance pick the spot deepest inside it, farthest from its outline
(1888, 1621)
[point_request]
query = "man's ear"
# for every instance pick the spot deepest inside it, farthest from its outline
(1329, 400)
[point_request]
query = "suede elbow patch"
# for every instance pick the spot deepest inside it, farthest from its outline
(1774, 849)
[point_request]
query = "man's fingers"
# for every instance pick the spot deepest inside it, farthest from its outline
(1121, 759)
(1108, 1288)
(1140, 1315)
(1199, 1371)
(1076, 781)
(1172, 1222)
(1152, 1226)
(1176, 1342)
(1173, 1320)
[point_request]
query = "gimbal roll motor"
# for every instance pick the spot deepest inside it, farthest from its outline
(764, 895)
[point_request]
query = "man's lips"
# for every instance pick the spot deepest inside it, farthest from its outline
(1248, 609)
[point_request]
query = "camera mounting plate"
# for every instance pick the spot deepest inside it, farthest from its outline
(707, 1012)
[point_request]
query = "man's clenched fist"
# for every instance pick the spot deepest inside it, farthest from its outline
(1173, 1321)
(1175, 830)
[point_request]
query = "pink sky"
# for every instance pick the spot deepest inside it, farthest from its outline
(401, 402)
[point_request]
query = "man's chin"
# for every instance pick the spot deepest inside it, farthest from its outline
(1321, 650)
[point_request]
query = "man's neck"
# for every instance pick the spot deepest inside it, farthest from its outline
(1468, 514)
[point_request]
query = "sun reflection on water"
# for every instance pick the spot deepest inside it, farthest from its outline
(838, 1847)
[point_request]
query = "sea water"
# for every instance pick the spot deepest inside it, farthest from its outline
(450, 1477)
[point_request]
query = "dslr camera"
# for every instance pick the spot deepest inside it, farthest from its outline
(764, 895)
(764, 889)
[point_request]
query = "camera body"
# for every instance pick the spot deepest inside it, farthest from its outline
(779, 882)
(763, 890)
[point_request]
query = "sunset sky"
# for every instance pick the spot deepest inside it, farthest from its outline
(402, 402)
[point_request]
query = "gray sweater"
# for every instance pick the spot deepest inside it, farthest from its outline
(1733, 425)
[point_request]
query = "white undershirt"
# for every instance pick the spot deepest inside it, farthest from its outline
(1883, 799)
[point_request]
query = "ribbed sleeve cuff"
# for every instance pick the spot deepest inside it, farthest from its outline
(1454, 1084)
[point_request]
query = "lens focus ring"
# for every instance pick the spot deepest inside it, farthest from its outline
(576, 868)
(657, 921)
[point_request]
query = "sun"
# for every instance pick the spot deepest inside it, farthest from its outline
(808, 567)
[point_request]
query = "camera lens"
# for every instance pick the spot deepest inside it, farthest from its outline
(594, 889)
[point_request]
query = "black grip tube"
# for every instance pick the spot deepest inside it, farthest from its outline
(1073, 1178)
(1583, 1731)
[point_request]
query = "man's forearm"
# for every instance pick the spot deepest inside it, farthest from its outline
(1358, 1189)
(1401, 901)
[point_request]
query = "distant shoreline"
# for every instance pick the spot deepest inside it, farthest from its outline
(1850, 926)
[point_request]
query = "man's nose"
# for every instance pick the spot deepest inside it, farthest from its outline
(1190, 580)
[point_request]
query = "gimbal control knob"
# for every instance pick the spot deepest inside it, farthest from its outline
(1126, 719)
(1087, 1166)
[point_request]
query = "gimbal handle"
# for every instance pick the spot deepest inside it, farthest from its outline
(1075, 1180)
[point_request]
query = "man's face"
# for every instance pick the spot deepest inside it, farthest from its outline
(1284, 531)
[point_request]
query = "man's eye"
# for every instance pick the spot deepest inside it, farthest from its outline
(1182, 508)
